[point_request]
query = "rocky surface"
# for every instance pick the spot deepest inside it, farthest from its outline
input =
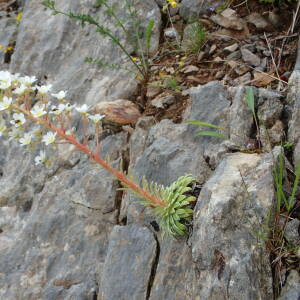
(191, 9)
(128, 265)
(231, 203)
(67, 232)
(59, 57)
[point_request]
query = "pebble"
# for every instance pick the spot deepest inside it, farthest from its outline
(250, 58)
(241, 69)
(243, 80)
(220, 75)
(163, 101)
(201, 55)
(171, 33)
(212, 49)
(230, 23)
(234, 55)
(258, 21)
(231, 48)
(250, 47)
(153, 91)
(190, 69)
(121, 111)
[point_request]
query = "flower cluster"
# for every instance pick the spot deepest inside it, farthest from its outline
(33, 118)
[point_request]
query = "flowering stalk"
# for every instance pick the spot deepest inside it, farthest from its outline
(26, 121)
(85, 149)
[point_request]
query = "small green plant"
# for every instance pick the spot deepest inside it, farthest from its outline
(195, 37)
(30, 118)
(171, 83)
(140, 40)
(282, 199)
(211, 133)
(250, 100)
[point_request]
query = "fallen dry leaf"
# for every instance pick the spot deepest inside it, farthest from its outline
(262, 79)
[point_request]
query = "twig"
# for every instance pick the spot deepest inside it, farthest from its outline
(273, 60)
(295, 16)
(225, 60)
(283, 37)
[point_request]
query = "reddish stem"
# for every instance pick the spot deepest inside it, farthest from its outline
(85, 149)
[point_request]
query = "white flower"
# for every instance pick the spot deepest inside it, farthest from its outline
(60, 96)
(40, 159)
(5, 103)
(36, 131)
(49, 138)
(26, 139)
(20, 90)
(69, 107)
(27, 80)
(82, 109)
(2, 127)
(38, 110)
(15, 77)
(96, 118)
(5, 80)
(18, 119)
(57, 110)
(44, 89)
(14, 134)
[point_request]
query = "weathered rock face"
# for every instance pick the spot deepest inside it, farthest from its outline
(128, 265)
(191, 9)
(60, 57)
(233, 201)
(53, 242)
(293, 99)
(7, 37)
(292, 287)
(67, 232)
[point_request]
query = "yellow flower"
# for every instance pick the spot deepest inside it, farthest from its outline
(134, 59)
(8, 49)
(173, 4)
(19, 17)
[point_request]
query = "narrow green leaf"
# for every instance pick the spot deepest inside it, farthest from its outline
(211, 133)
(250, 99)
(203, 124)
(149, 33)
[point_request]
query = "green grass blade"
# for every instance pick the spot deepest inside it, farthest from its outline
(250, 99)
(211, 133)
(149, 33)
(203, 124)
(295, 187)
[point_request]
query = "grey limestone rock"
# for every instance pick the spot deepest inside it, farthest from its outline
(291, 290)
(57, 47)
(228, 262)
(250, 58)
(8, 35)
(55, 226)
(241, 118)
(293, 112)
(127, 268)
(174, 274)
(191, 9)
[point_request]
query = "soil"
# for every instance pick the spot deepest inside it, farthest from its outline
(211, 62)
